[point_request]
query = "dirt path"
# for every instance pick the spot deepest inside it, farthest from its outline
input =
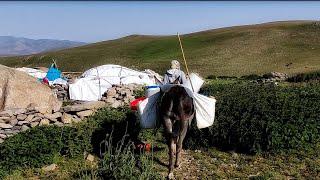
(190, 167)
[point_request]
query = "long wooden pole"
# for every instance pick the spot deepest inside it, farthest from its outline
(185, 61)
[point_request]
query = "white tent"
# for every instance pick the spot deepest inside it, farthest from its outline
(94, 82)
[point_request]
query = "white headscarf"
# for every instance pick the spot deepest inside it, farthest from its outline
(175, 64)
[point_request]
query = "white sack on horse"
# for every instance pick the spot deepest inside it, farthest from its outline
(148, 111)
(196, 84)
(204, 106)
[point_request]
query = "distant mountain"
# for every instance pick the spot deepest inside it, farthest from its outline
(13, 46)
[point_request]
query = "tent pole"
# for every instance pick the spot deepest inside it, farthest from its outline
(185, 61)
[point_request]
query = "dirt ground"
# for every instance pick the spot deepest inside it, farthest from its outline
(215, 164)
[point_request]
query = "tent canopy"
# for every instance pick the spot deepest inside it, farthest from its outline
(53, 73)
(95, 81)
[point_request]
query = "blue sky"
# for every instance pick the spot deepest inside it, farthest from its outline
(97, 21)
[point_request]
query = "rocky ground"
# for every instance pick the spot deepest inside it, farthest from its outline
(61, 91)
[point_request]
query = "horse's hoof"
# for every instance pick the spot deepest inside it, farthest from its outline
(170, 175)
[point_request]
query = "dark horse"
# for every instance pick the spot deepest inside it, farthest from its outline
(176, 112)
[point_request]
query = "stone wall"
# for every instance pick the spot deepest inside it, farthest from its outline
(14, 121)
(120, 95)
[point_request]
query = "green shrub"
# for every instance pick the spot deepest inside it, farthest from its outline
(211, 77)
(120, 121)
(38, 146)
(215, 87)
(305, 77)
(139, 92)
(120, 161)
(227, 77)
(251, 77)
(253, 118)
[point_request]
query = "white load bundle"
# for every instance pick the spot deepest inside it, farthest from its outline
(205, 110)
(196, 80)
(148, 111)
(204, 107)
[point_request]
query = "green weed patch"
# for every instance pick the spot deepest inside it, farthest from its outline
(254, 118)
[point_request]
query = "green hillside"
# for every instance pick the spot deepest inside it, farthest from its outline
(289, 47)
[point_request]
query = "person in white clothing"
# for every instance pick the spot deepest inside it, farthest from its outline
(175, 75)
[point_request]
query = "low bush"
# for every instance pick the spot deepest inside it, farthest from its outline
(38, 146)
(253, 118)
(227, 77)
(251, 77)
(120, 161)
(139, 92)
(305, 77)
(211, 77)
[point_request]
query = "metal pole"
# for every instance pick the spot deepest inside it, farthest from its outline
(185, 61)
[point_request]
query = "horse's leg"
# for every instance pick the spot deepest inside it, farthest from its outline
(176, 132)
(182, 135)
(169, 136)
(171, 158)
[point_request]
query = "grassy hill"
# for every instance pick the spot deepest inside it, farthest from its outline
(289, 47)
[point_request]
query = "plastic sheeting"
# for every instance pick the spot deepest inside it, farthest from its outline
(94, 82)
(194, 81)
(148, 111)
(39, 74)
(59, 81)
(205, 110)
(33, 72)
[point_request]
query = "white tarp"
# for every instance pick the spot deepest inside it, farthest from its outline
(94, 82)
(148, 111)
(33, 72)
(205, 110)
(196, 84)
(41, 74)
(59, 81)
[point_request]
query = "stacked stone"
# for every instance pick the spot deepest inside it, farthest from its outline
(14, 121)
(276, 76)
(120, 95)
(61, 91)
(272, 77)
